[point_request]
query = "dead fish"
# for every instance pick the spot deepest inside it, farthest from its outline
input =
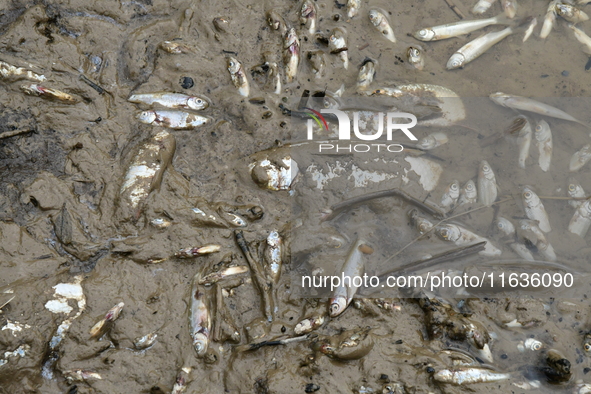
(221, 24)
(487, 184)
(291, 54)
(549, 19)
(416, 57)
(533, 233)
(199, 318)
(530, 344)
(559, 368)
(276, 22)
(467, 375)
(582, 38)
(317, 62)
(510, 8)
(80, 375)
(146, 341)
(215, 277)
(451, 195)
(530, 29)
(170, 100)
(308, 15)
(587, 343)
(308, 325)
(366, 75)
(422, 224)
(171, 119)
(380, 22)
(458, 28)
(527, 104)
(468, 193)
(432, 141)
(354, 266)
(104, 324)
(350, 345)
(544, 142)
(571, 13)
(9, 71)
(145, 173)
(35, 89)
(523, 139)
(196, 252)
(180, 384)
(582, 388)
(175, 47)
(522, 251)
(534, 209)
(482, 6)
(160, 223)
(353, 8)
(463, 237)
(238, 76)
(580, 158)
(505, 226)
(575, 190)
(276, 171)
(338, 45)
(273, 255)
(581, 220)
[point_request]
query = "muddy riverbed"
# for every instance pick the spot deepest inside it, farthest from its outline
(72, 246)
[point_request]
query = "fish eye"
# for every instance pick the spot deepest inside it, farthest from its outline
(422, 32)
(539, 127)
(527, 195)
(572, 187)
(537, 346)
(453, 186)
(444, 233)
(587, 347)
(485, 168)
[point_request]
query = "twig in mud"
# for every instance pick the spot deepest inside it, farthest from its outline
(258, 345)
(564, 198)
(93, 85)
(217, 318)
(8, 134)
(258, 274)
(338, 208)
(455, 9)
(6, 303)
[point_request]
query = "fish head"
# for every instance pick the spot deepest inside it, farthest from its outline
(587, 344)
(500, 98)
(146, 116)
(307, 10)
(485, 170)
(533, 344)
(337, 306)
(197, 103)
(374, 17)
(470, 187)
(200, 342)
(233, 65)
(424, 34)
(529, 197)
(455, 61)
(448, 232)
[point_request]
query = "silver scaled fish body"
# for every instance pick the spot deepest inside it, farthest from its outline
(487, 184)
(451, 195)
(381, 23)
(455, 29)
(308, 15)
(199, 318)
(477, 47)
(366, 75)
(534, 209)
(170, 100)
(524, 138)
(416, 57)
(581, 220)
(482, 6)
(291, 54)
(468, 193)
(544, 142)
(580, 158)
(469, 375)
(172, 119)
(575, 190)
(549, 19)
(464, 237)
(337, 44)
(571, 13)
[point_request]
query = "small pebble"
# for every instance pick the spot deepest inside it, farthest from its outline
(186, 82)
(504, 356)
(311, 387)
(430, 370)
(565, 73)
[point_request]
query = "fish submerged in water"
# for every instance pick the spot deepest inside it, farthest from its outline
(544, 142)
(582, 38)
(571, 13)
(455, 29)
(199, 318)
(353, 7)
(468, 193)
(549, 19)
(487, 184)
(170, 100)
(451, 195)
(464, 237)
(575, 190)
(581, 220)
(317, 62)
(482, 6)
(510, 8)
(580, 158)
(308, 15)
(380, 21)
(534, 209)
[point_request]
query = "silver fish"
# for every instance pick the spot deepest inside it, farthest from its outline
(582, 38)
(353, 7)
(422, 224)
(34, 89)
(527, 104)
(580, 158)
(534, 209)
(171, 119)
(366, 75)
(146, 341)
(102, 326)
(416, 57)
(575, 190)
(581, 220)
(530, 29)
(308, 15)
(170, 100)
(530, 344)
(175, 47)
(544, 142)
(199, 318)
(524, 137)
(291, 54)
(272, 255)
(238, 76)
(317, 62)
(9, 71)
(535, 235)
(571, 13)
(380, 21)
(432, 141)
(477, 47)
(482, 6)
(522, 251)
(505, 226)
(215, 277)
(463, 237)
(549, 19)
(188, 253)
(308, 325)
(338, 45)
(455, 29)
(468, 193)
(510, 7)
(468, 375)
(487, 184)
(451, 195)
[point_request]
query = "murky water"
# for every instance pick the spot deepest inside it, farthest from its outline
(64, 220)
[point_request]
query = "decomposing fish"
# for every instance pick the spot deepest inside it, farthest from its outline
(505, 226)
(146, 341)
(468, 193)
(462, 237)
(276, 22)
(275, 170)
(451, 195)
(582, 38)
(273, 255)
(530, 29)
(575, 190)
(544, 142)
(105, 323)
(549, 19)
(349, 345)
(469, 375)
(571, 13)
(487, 184)
(308, 325)
(221, 24)
(199, 317)
(180, 384)
(522, 251)
(216, 276)
(338, 45)
(558, 367)
(432, 141)
(581, 220)
(580, 158)
(8, 71)
(366, 75)
(587, 343)
(353, 7)
(380, 22)
(35, 89)
(308, 15)
(80, 375)
(416, 57)
(198, 251)
(354, 266)
(534, 209)
(532, 232)
(422, 224)
(160, 223)
(527, 104)
(291, 54)
(482, 6)
(510, 7)
(172, 119)
(270, 70)
(530, 344)
(175, 47)
(170, 100)
(523, 139)
(317, 62)
(458, 28)
(238, 76)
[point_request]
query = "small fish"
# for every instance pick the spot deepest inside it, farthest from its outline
(353, 8)
(527, 104)
(177, 120)
(80, 375)
(199, 318)
(544, 142)
(276, 22)
(505, 226)
(380, 21)
(580, 158)
(510, 8)
(146, 341)
(338, 45)
(308, 325)
(416, 57)
(581, 220)
(9, 71)
(533, 233)
(35, 89)
(549, 19)
(432, 141)
(104, 324)
(196, 252)
(482, 6)
(170, 100)
(451, 195)
(317, 62)
(238, 76)
(587, 344)
(534, 209)
(215, 277)
(523, 140)
(422, 224)
(582, 38)
(160, 223)
(468, 193)
(530, 344)
(464, 237)
(468, 375)
(487, 184)
(522, 251)
(530, 29)
(180, 384)
(571, 13)
(308, 15)
(221, 24)
(575, 190)
(175, 47)
(458, 28)
(366, 75)
(273, 255)
(291, 54)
